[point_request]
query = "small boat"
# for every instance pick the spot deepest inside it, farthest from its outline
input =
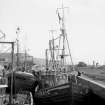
(22, 81)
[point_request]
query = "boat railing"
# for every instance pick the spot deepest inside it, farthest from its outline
(45, 91)
(54, 87)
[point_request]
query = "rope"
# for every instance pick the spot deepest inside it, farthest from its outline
(70, 52)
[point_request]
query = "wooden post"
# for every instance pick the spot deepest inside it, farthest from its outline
(12, 77)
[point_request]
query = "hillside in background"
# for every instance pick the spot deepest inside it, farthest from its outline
(39, 61)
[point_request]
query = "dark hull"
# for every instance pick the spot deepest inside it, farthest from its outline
(79, 91)
(59, 95)
(21, 82)
(87, 92)
(70, 95)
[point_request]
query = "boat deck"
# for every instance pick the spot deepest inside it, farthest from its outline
(98, 87)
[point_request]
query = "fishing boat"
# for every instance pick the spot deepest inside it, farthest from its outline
(58, 90)
(22, 81)
(22, 87)
(65, 86)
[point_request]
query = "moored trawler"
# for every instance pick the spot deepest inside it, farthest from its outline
(63, 87)
(58, 89)
(23, 86)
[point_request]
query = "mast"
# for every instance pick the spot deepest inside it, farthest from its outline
(12, 77)
(25, 60)
(53, 49)
(64, 35)
(46, 54)
(17, 32)
(58, 47)
(62, 29)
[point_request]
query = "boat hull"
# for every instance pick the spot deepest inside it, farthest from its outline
(78, 91)
(21, 82)
(86, 91)
(59, 95)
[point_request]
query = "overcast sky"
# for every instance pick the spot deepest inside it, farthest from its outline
(85, 23)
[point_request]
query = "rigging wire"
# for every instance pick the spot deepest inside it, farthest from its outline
(58, 47)
(69, 52)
